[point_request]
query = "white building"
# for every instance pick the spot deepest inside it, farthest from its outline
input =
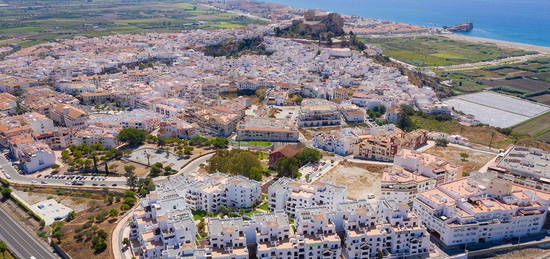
(274, 236)
(107, 137)
(227, 238)
(34, 156)
(340, 142)
(401, 185)
(473, 210)
(267, 129)
(384, 227)
(317, 113)
(428, 165)
(161, 222)
(290, 195)
(316, 233)
(210, 192)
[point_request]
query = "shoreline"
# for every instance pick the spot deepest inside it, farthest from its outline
(499, 43)
(454, 36)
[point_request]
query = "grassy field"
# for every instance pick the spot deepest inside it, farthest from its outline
(60, 19)
(483, 135)
(538, 127)
(426, 51)
(6, 254)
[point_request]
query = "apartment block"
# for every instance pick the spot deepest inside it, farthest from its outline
(526, 166)
(317, 113)
(428, 165)
(383, 145)
(227, 238)
(267, 129)
(178, 129)
(274, 236)
(316, 233)
(68, 116)
(380, 228)
(472, 210)
(401, 185)
(161, 222)
(108, 137)
(290, 195)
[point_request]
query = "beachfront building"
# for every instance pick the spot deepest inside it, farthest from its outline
(428, 165)
(401, 185)
(267, 129)
(473, 210)
(290, 195)
(317, 113)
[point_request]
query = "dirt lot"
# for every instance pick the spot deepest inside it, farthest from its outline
(86, 205)
(542, 99)
(360, 179)
(452, 154)
(522, 254)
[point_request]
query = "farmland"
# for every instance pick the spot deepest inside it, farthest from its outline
(538, 127)
(424, 51)
(529, 80)
(27, 23)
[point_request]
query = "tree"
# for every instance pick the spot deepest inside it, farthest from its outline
(126, 241)
(6, 192)
(287, 167)
(308, 155)
(3, 247)
(113, 212)
(441, 142)
(129, 169)
(131, 181)
(132, 136)
(464, 156)
(218, 142)
(405, 123)
(70, 216)
(161, 142)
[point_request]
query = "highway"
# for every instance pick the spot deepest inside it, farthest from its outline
(19, 241)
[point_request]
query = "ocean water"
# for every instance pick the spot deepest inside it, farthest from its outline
(525, 21)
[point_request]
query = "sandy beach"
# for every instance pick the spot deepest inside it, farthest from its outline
(500, 43)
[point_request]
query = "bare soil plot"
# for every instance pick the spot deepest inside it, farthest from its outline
(360, 179)
(452, 154)
(527, 85)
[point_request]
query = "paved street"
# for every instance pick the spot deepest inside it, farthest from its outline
(14, 176)
(23, 244)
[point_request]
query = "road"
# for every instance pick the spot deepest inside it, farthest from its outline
(16, 177)
(23, 244)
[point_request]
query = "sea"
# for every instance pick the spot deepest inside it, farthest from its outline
(524, 21)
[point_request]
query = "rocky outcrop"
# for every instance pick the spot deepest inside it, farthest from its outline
(463, 27)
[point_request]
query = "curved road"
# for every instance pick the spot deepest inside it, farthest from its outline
(23, 244)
